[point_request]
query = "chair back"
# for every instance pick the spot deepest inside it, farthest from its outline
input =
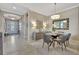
(65, 37)
(68, 36)
(46, 38)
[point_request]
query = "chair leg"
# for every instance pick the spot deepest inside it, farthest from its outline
(61, 46)
(50, 43)
(48, 47)
(53, 43)
(68, 42)
(64, 45)
(43, 45)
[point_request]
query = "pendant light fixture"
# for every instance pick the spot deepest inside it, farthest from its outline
(55, 16)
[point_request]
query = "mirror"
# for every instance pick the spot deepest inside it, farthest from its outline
(61, 24)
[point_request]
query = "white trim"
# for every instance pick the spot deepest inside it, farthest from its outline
(67, 9)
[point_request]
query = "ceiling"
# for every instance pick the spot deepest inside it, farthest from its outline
(42, 8)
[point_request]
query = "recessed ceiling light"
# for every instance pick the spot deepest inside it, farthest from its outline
(14, 7)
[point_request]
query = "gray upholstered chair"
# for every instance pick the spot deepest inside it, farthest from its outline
(68, 37)
(47, 40)
(63, 39)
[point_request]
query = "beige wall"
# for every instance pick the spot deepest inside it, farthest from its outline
(73, 16)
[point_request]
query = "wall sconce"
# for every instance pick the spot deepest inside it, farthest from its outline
(44, 25)
(34, 24)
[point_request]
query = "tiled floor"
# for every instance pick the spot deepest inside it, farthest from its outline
(15, 45)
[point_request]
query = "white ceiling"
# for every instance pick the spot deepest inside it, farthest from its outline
(42, 8)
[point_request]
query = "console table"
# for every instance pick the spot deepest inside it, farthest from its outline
(39, 35)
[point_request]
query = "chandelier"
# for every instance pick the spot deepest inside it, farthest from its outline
(55, 16)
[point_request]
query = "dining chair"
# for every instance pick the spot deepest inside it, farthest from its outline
(47, 40)
(63, 39)
(68, 37)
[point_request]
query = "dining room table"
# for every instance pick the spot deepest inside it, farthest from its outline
(54, 37)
